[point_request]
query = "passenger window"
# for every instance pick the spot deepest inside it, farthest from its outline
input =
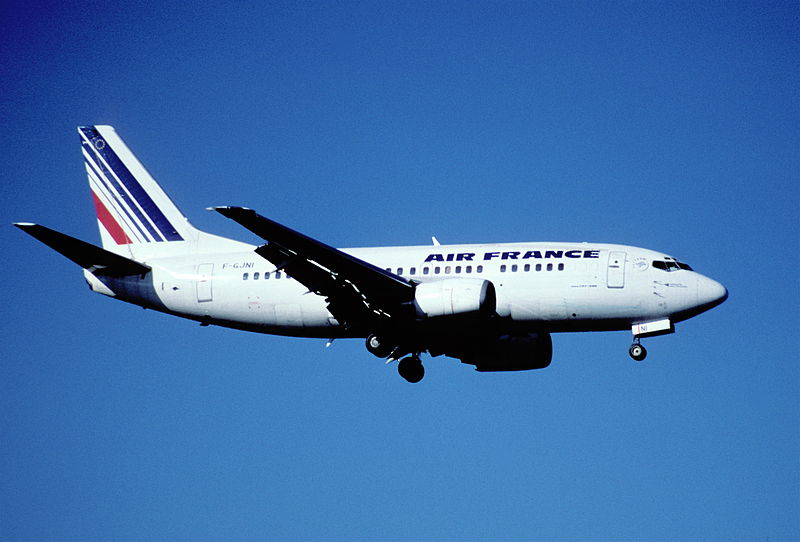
(469, 269)
(503, 268)
(412, 271)
(458, 269)
(266, 276)
(549, 267)
(479, 269)
(538, 267)
(527, 267)
(514, 268)
(447, 270)
(246, 276)
(256, 275)
(277, 274)
(399, 270)
(437, 270)
(561, 267)
(425, 270)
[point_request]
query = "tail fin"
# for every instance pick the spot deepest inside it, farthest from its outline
(134, 214)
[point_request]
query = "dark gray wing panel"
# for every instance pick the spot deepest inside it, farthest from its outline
(357, 292)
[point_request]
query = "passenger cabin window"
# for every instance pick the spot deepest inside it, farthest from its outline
(425, 270)
(256, 275)
(561, 267)
(458, 269)
(246, 276)
(469, 269)
(503, 268)
(399, 270)
(277, 274)
(412, 271)
(479, 269)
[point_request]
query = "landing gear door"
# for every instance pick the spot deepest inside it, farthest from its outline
(616, 269)
(205, 273)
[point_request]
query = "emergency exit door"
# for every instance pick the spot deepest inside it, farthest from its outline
(616, 270)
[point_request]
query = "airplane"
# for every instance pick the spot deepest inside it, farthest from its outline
(493, 306)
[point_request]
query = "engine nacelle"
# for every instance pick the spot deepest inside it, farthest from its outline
(449, 297)
(513, 353)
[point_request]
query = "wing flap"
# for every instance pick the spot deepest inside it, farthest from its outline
(97, 260)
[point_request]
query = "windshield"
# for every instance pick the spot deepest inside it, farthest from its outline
(671, 264)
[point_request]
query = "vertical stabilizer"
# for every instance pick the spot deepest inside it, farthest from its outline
(135, 216)
(131, 208)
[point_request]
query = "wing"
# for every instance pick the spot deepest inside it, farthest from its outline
(359, 294)
(97, 260)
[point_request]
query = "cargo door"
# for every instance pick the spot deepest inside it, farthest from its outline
(616, 270)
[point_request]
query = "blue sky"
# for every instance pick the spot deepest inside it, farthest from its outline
(672, 126)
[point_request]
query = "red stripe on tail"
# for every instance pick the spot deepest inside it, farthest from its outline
(109, 223)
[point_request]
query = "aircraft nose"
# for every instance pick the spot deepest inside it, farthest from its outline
(710, 293)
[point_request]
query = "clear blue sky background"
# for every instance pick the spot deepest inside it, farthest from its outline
(668, 125)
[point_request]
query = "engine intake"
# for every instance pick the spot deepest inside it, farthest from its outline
(455, 296)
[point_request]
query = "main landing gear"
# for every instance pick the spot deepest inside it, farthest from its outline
(411, 369)
(637, 351)
(380, 347)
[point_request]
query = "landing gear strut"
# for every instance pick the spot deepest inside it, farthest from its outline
(411, 369)
(637, 351)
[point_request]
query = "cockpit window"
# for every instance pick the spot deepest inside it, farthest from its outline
(670, 265)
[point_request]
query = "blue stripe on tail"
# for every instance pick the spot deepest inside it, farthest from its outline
(166, 231)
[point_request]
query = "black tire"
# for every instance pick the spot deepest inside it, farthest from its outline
(378, 347)
(411, 369)
(637, 352)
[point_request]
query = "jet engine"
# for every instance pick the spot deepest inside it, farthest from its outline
(512, 353)
(454, 296)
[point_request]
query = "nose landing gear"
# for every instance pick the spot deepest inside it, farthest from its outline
(637, 351)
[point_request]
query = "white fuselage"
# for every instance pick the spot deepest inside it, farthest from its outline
(539, 286)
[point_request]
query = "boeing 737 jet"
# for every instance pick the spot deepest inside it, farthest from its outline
(493, 306)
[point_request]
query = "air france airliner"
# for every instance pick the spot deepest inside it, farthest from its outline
(493, 306)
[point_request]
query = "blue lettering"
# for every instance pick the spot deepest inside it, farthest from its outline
(434, 258)
(591, 254)
(510, 255)
(490, 255)
(532, 254)
(573, 254)
(553, 253)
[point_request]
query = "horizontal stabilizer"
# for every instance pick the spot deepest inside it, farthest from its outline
(88, 256)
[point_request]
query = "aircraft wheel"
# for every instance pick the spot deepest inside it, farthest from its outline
(637, 352)
(411, 369)
(378, 347)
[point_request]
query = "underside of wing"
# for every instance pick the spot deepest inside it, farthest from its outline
(359, 294)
